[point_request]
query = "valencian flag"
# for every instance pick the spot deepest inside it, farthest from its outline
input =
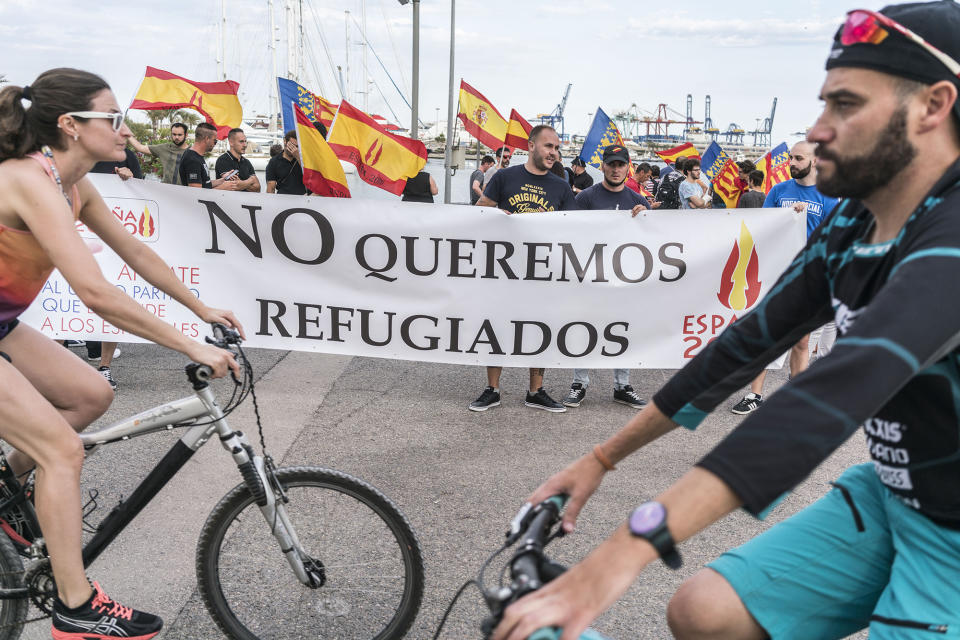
(775, 166)
(382, 159)
(316, 108)
(217, 101)
(518, 131)
(480, 118)
(322, 171)
(684, 150)
(722, 172)
(603, 133)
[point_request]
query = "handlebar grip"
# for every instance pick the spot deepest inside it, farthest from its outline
(554, 633)
(559, 501)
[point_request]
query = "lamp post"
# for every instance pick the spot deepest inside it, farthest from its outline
(415, 89)
(448, 153)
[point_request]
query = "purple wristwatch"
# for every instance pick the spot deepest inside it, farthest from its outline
(649, 521)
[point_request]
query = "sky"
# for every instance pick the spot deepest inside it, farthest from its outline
(520, 54)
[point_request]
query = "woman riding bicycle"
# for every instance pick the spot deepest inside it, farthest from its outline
(48, 394)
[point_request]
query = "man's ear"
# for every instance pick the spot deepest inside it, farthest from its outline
(938, 101)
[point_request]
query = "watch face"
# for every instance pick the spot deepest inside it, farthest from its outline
(647, 517)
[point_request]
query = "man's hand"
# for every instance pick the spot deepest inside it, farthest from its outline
(124, 173)
(578, 480)
(637, 208)
(577, 597)
(800, 207)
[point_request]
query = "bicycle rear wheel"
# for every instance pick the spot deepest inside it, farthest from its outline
(13, 612)
(371, 559)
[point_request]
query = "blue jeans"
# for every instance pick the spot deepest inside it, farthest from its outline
(621, 377)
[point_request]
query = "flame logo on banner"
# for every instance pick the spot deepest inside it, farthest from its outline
(740, 284)
(373, 153)
(146, 227)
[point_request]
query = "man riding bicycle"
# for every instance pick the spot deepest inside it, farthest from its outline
(882, 549)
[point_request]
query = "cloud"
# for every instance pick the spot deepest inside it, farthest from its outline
(738, 32)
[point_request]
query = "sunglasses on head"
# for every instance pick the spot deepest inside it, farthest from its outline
(116, 117)
(869, 27)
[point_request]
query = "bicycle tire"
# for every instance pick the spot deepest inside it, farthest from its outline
(252, 593)
(13, 612)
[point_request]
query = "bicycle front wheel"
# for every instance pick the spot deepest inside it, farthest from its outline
(371, 561)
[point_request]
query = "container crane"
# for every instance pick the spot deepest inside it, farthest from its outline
(555, 117)
(761, 135)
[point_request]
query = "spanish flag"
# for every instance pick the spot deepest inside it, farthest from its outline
(518, 131)
(382, 159)
(217, 101)
(775, 166)
(684, 150)
(480, 118)
(322, 171)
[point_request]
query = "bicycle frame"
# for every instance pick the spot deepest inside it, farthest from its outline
(167, 417)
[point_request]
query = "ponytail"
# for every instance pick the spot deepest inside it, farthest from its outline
(53, 93)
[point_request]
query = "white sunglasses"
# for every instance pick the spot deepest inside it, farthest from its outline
(116, 116)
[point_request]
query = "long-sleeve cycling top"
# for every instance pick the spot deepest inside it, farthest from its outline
(894, 370)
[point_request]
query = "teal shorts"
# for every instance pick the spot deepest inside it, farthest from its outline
(857, 557)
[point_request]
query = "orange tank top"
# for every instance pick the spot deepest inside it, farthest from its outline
(24, 265)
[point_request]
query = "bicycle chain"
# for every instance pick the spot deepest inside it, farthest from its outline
(32, 596)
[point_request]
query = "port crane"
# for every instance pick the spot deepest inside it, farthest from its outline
(555, 117)
(761, 135)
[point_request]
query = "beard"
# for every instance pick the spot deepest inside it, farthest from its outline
(859, 176)
(800, 174)
(540, 161)
(612, 183)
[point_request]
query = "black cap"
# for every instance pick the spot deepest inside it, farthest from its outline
(616, 152)
(578, 162)
(936, 22)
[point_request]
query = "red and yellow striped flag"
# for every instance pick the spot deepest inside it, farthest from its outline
(518, 131)
(322, 172)
(775, 166)
(382, 159)
(684, 150)
(480, 118)
(217, 101)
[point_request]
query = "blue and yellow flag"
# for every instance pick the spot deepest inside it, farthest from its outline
(316, 108)
(722, 172)
(603, 133)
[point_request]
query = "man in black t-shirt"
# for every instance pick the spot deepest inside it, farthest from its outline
(611, 194)
(527, 188)
(193, 168)
(579, 178)
(284, 173)
(233, 161)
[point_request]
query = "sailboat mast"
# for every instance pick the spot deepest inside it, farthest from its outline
(366, 77)
(274, 98)
(346, 20)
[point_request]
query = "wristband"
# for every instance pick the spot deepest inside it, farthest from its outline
(603, 459)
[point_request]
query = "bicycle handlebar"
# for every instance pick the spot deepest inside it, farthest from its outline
(530, 568)
(223, 337)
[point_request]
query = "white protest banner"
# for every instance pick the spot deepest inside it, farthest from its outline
(440, 283)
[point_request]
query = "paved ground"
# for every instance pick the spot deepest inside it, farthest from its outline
(459, 476)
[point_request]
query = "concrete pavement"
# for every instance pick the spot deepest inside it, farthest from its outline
(459, 476)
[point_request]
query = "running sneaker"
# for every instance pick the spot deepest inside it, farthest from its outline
(100, 618)
(576, 395)
(541, 400)
(488, 399)
(116, 354)
(751, 402)
(108, 376)
(629, 397)
(74, 343)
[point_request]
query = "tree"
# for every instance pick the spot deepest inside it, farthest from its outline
(440, 138)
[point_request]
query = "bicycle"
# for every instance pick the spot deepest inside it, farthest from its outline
(530, 568)
(336, 559)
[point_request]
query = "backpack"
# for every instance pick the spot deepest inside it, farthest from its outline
(669, 193)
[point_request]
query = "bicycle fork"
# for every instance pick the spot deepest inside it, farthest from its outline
(265, 489)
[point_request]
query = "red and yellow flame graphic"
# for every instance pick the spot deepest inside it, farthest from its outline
(146, 226)
(373, 153)
(740, 284)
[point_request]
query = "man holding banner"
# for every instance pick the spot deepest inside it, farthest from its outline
(527, 188)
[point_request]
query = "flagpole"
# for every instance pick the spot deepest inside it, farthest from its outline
(448, 152)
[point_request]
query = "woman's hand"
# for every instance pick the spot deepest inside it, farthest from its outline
(578, 480)
(220, 360)
(224, 317)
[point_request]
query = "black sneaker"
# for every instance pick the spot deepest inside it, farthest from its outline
(751, 402)
(74, 343)
(540, 400)
(576, 395)
(629, 397)
(108, 376)
(100, 618)
(489, 398)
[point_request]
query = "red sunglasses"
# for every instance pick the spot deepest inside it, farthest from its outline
(867, 27)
